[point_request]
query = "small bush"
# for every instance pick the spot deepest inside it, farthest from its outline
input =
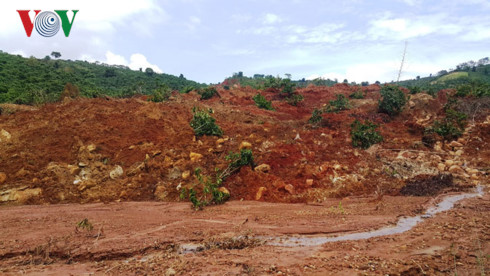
(451, 127)
(414, 89)
(208, 93)
(161, 94)
(316, 117)
(357, 94)
(204, 124)
(262, 102)
(186, 89)
(70, 91)
(226, 87)
(393, 100)
(364, 135)
(294, 99)
(211, 193)
(341, 103)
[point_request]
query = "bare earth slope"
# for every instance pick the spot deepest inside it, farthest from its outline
(127, 159)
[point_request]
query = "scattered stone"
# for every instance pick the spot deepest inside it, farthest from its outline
(459, 152)
(170, 272)
(309, 182)
(245, 145)
(116, 172)
(263, 168)
(455, 144)
(441, 167)
(136, 168)
(195, 156)
(220, 141)
(474, 177)
(20, 195)
(449, 163)
(82, 164)
(161, 192)
(4, 135)
(91, 148)
(3, 177)
(224, 190)
(455, 169)
(260, 193)
(186, 174)
(289, 188)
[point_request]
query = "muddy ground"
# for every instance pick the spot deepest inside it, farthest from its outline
(93, 185)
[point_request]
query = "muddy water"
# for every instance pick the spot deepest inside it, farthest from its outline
(403, 225)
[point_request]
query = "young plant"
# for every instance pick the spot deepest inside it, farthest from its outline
(262, 102)
(204, 124)
(208, 93)
(211, 193)
(364, 135)
(357, 94)
(393, 100)
(451, 127)
(339, 104)
(316, 117)
(161, 94)
(294, 99)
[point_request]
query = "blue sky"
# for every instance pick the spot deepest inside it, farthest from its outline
(210, 40)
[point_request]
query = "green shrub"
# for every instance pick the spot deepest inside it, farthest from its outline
(161, 94)
(364, 135)
(339, 104)
(262, 102)
(414, 89)
(474, 88)
(451, 127)
(207, 191)
(186, 89)
(316, 117)
(294, 99)
(393, 100)
(357, 94)
(204, 124)
(208, 93)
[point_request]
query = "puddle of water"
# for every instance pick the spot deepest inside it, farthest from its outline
(403, 225)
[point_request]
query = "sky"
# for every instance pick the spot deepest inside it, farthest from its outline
(209, 40)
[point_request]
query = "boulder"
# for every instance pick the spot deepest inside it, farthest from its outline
(245, 145)
(116, 172)
(262, 168)
(260, 193)
(3, 177)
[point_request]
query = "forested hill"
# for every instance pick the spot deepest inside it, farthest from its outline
(26, 80)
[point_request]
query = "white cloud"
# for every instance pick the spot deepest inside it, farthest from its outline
(137, 61)
(193, 23)
(271, 18)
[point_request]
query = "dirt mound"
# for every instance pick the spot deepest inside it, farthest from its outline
(90, 150)
(427, 185)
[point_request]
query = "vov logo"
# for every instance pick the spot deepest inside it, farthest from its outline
(47, 23)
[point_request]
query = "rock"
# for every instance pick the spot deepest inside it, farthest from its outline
(456, 169)
(441, 167)
(116, 172)
(20, 195)
(91, 148)
(245, 145)
(74, 170)
(3, 177)
(161, 192)
(474, 177)
(455, 144)
(195, 156)
(472, 171)
(449, 163)
(186, 175)
(170, 272)
(289, 188)
(459, 152)
(220, 141)
(136, 168)
(260, 193)
(4, 135)
(82, 164)
(224, 190)
(337, 167)
(309, 182)
(262, 168)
